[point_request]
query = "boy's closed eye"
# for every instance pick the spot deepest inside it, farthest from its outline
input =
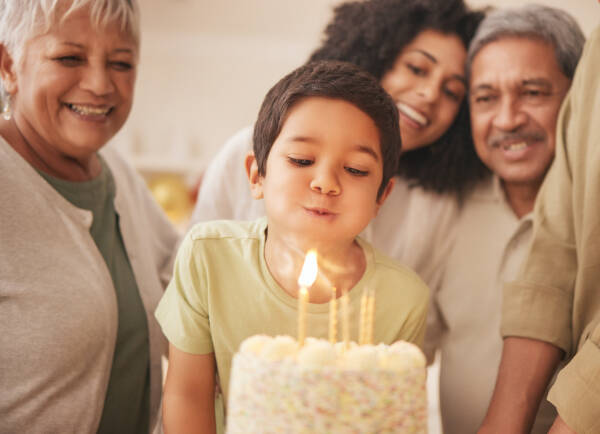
(299, 161)
(304, 162)
(356, 172)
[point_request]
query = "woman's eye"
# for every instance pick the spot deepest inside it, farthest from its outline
(69, 60)
(453, 95)
(415, 69)
(300, 161)
(356, 172)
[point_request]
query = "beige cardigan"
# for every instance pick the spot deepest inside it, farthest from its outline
(58, 312)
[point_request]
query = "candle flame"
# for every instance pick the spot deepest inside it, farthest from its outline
(308, 275)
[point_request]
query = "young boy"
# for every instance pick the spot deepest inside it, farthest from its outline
(326, 146)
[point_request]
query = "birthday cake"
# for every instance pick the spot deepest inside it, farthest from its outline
(279, 387)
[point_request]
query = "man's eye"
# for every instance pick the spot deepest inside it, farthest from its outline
(534, 93)
(300, 161)
(356, 172)
(121, 66)
(483, 99)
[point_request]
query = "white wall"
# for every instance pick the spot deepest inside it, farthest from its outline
(206, 65)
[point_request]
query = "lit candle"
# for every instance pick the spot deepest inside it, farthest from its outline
(370, 317)
(307, 277)
(345, 319)
(302, 304)
(362, 325)
(333, 316)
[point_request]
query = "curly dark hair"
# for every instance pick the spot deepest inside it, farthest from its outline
(371, 34)
(336, 80)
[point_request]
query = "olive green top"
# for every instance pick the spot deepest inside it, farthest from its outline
(126, 405)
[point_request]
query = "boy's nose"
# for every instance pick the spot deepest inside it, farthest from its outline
(326, 182)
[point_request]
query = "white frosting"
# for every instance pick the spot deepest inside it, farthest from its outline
(360, 358)
(254, 344)
(279, 348)
(411, 355)
(277, 386)
(401, 356)
(317, 353)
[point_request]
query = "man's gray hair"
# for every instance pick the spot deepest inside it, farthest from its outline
(21, 20)
(551, 25)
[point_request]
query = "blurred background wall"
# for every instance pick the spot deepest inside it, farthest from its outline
(206, 65)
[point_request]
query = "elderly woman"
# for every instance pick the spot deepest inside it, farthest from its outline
(86, 252)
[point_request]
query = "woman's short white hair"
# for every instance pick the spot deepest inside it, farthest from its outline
(21, 20)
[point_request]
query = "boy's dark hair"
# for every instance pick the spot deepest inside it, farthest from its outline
(371, 34)
(336, 80)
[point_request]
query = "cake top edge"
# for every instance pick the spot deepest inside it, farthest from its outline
(319, 353)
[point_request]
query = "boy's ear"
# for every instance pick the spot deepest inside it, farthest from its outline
(254, 177)
(7, 72)
(386, 192)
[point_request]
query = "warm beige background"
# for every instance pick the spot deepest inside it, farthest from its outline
(206, 65)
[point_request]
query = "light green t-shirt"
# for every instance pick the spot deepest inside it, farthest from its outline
(222, 292)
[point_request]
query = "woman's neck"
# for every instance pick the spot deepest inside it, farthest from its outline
(340, 266)
(48, 159)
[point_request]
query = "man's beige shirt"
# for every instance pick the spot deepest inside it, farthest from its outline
(464, 321)
(556, 298)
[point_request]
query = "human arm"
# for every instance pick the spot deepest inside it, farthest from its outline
(189, 393)
(183, 316)
(576, 391)
(525, 369)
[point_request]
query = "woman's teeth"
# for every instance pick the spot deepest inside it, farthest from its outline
(412, 114)
(88, 110)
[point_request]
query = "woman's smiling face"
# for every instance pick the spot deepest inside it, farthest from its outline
(72, 90)
(427, 82)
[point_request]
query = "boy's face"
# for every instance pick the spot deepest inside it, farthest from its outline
(323, 173)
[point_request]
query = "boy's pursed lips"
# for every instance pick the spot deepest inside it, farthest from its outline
(319, 211)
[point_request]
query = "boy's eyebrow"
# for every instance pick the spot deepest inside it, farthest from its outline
(360, 148)
(367, 150)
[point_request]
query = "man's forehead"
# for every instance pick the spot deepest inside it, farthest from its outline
(514, 60)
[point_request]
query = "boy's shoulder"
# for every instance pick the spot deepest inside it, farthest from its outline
(392, 272)
(228, 229)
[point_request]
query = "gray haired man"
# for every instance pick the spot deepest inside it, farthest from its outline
(520, 65)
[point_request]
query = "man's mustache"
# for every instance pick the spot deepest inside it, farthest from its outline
(499, 140)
